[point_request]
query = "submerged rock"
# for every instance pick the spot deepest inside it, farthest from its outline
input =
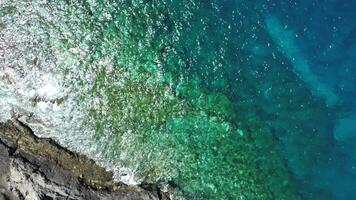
(33, 168)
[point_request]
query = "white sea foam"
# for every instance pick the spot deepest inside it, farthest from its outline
(33, 87)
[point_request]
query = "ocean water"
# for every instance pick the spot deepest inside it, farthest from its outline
(215, 99)
(325, 35)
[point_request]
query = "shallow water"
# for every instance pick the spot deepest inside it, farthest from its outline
(209, 99)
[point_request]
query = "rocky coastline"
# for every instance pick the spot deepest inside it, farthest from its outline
(33, 168)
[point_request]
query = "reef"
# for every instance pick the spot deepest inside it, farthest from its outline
(34, 168)
(191, 95)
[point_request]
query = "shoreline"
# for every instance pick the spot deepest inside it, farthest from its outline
(35, 168)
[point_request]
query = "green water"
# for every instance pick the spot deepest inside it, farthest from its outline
(192, 95)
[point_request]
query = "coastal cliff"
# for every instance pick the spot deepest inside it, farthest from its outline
(33, 168)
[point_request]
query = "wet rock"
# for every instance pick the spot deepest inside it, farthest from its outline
(33, 168)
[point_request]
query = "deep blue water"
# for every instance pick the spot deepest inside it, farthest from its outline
(325, 33)
(220, 99)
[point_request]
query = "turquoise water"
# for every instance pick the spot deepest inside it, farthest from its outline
(209, 99)
(326, 36)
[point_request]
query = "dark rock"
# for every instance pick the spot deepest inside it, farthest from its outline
(34, 168)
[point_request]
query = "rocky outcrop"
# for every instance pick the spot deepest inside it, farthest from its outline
(33, 168)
